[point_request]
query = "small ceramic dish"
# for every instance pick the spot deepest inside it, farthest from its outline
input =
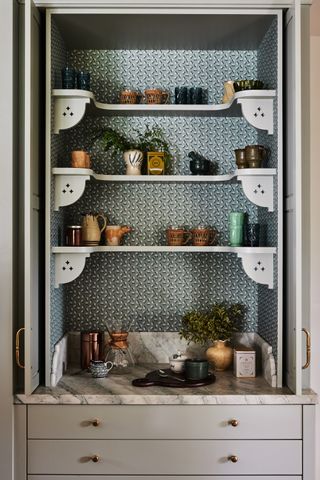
(177, 362)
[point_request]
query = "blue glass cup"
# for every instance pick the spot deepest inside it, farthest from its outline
(83, 80)
(68, 76)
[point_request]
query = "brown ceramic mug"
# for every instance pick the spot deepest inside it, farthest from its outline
(203, 236)
(177, 236)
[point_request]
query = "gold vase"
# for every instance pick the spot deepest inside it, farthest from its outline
(220, 355)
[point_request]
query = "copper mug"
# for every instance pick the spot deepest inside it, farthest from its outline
(177, 236)
(203, 236)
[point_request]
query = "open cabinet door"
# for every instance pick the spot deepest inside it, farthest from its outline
(31, 192)
(293, 200)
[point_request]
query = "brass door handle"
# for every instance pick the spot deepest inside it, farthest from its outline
(18, 362)
(95, 458)
(96, 422)
(233, 422)
(233, 458)
(308, 349)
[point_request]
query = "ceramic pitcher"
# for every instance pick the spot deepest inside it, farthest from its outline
(91, 231)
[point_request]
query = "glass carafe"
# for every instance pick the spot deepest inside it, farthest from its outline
(118, 352)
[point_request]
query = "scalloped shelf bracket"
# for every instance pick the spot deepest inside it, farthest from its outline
(258, 189)
(68, 111)
(258, 112)
(258, 266)
(68, 189)
(68, 266)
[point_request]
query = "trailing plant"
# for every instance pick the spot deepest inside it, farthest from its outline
(217, 324)
(151, 140)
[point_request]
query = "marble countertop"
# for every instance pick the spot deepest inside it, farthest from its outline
(78, 387)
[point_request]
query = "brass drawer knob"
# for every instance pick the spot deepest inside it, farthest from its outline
(95, 458)
(96, 422)
(233, 422)
(233, 458)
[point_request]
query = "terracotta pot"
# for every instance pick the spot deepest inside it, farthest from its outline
(79, 159)
(220, 355)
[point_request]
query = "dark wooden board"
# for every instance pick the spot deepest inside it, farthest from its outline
(154, 379)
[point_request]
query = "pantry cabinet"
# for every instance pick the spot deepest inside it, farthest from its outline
(137, 46)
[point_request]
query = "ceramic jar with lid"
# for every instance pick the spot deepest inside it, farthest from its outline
(177, 362)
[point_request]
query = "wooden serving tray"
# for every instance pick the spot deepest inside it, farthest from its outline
(154, 379)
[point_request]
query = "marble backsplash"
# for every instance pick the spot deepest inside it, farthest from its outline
(157, 347)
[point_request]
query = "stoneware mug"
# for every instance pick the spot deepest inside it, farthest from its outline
(196, 369)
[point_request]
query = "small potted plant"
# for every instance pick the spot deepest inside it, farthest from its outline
(216, 327)
(133, 149)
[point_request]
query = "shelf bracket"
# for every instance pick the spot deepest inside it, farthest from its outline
(68, 267)
(68, 111)
(258, 266)
(258, 112)
(258, 189)
(68, 189)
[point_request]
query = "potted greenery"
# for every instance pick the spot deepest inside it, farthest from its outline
(216, 327)
(133, 149)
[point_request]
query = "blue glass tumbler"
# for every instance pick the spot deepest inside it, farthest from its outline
(68, 76)
(83, 80)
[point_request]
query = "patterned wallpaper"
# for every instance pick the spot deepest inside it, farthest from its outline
(152, 291)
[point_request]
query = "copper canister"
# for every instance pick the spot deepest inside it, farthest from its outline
(92, 346)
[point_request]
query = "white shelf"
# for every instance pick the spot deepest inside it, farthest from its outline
(70, 107)
(257, 262)
(257, 183)
(164, 248)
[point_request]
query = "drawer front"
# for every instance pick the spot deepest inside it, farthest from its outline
(165, 457)
(165, 421)
(157, 477)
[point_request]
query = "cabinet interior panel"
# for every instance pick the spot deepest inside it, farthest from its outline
(152, 291)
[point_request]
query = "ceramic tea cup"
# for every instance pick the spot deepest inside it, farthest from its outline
(177, 236)
(203, 236)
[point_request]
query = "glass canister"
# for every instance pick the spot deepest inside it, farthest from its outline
(118, 352)
(73, 235)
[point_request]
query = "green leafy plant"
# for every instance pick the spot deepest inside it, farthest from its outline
(217, 324)
(151, 140)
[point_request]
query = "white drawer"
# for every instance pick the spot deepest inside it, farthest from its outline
(165, 457)
(165, 421)
(157, 477)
